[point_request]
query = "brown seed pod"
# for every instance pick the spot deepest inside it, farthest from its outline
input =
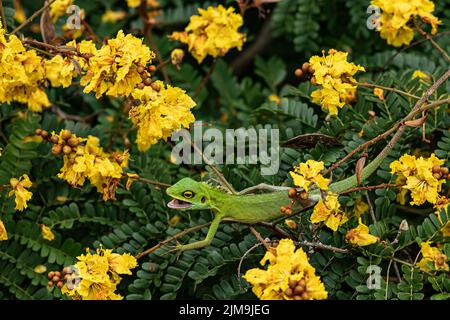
(444, 171)
(67, 150)
(140, 69)
(283, 209)
(57, 149)
(67, 277)
(293, 283)
(156, 87)
(141, 85)
(44, 134)
(51, 274)
(54, 139)
(448, 176)
(66, 135)
(56, 279)
(292, 193)
(288, 292)
(305, 67)
(58, 274)
(305, 295)
(436, 169)
(302, 283)
(50, 284)
(288, 211)
(303, 195)
(152, 68)
(148, 81)
(313, 81)
(73, 142)
(299, 289)
(60, 284)
(298, 72)
(38, 132)
(298, 297)
(67, 270)
(437, 176)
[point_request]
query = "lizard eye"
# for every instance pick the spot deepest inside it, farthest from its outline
(188, 194)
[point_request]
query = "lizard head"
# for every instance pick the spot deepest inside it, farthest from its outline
(188, 194)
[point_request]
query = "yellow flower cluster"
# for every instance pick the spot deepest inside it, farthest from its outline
(59, 8)
(329, 212)
(308, 173)
(433, 256)
(335, 76)
(443, 204)
(60, 71)
(360, 235)
(416, 175)
(3, 233)
(214, 32)
(137, 3)
(113, 69)
(160, 113)
(89, 161)
(21, 74)
(397, 16)
(96, 275)
(20, 192)
(288, 277)
(47, 233)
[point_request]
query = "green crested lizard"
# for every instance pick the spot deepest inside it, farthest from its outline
(189, 194)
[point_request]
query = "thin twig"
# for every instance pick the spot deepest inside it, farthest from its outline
(154, 182)
(32, 17)
(320, 245)
(371, 210)
(258, 236)
(216, 171)
(3, 16)
(369, 188)
(372, 85)
(205, 80)
(434, 43)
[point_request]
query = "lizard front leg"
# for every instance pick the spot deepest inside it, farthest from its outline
(205, 242)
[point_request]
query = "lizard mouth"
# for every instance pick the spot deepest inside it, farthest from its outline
(179, 204)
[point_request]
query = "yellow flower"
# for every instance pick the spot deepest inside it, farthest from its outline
(3, 233)
(21, 74)
(214, 32)
(160, 113)
(60, 71)
(329, 212)
(289, 276)
(274, 98)
(308, 173)
(379, 93)
(47, 233)
(334, 74)
(360, 235)
(417, 177)
(136, 3)
(89, 161)
(59, 8)
(114, 68)
(433, 255)
(176, 56)
(420, 74)
(97, 275)
(396, 17)
(360, 207)
(442, 204)
(19, 13)
(20, 192)
(113, 16)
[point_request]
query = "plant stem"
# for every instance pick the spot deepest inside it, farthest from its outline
(32, 17)
(434, 43)
(2, 12)
(372, 85)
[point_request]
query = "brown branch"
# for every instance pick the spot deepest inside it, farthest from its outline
(3, 16)
(320, 245)
(154, 182)
(369, 188)
(204, 80)
(434, 43)
(399, 126)
(372, 85)
(32, 17)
